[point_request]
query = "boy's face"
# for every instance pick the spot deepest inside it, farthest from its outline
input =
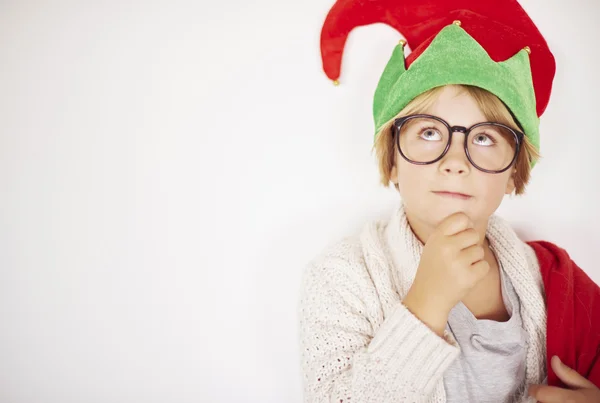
(419, 185)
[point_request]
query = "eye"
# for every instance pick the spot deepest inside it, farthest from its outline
(430, 134)
(482, 139)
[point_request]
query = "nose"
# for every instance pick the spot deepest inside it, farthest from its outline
(455, 162)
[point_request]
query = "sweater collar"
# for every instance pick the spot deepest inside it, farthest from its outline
(404, 250)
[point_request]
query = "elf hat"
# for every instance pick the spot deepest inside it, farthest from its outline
(493, 45)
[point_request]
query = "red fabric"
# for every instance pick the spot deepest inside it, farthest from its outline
(573, 307)
(503, 28)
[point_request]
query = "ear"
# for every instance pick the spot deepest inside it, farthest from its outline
(510, 185)
(394, 175)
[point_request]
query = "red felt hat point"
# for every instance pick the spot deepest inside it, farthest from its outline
(502, 28)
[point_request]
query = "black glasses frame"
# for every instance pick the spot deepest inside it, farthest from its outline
(399, 122)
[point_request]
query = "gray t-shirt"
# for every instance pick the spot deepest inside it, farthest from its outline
(491, 365)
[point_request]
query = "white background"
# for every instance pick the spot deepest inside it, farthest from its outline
(167, 169)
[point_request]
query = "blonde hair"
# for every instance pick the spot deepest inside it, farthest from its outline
(492, 108)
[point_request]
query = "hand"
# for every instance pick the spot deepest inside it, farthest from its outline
(451, 264)
(583, 390)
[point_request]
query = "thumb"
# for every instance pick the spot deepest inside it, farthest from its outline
(569, 376)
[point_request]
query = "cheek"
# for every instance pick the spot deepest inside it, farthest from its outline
(494, 184)
(491, 190)
(411, 179)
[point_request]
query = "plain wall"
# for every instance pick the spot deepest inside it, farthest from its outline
(168, 168)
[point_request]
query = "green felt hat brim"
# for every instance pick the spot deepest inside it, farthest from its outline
(454, 57)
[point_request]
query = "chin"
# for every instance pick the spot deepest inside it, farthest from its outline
(435, 213)
(448, 210)
(451, 208)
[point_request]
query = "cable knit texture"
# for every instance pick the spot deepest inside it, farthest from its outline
(360, 344)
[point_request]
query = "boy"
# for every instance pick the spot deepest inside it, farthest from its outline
(444, 302)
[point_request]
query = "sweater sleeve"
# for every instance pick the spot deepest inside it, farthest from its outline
(345, 359)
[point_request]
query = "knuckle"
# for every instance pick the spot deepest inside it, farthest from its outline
(458, 220)
(463, 220)
(481, 268)
(465, 281)
(473, 235)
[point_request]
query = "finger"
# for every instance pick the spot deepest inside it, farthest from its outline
(466, 239)
(568, 375)
(472, 254)
(552, 394)
(480, 269)
(455, 223)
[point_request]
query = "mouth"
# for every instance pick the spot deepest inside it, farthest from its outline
(453, 195)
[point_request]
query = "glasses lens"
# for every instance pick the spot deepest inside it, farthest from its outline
(492, 147)
(423, 139)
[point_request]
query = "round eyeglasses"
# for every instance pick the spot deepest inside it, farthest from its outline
(425, 139)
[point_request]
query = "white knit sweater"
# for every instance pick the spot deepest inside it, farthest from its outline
(360, 344)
